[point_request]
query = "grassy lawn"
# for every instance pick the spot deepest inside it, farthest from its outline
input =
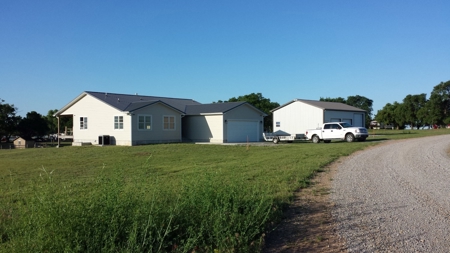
(157, 198)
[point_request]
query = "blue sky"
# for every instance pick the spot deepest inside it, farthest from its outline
(51, 51)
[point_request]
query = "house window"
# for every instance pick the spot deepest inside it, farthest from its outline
(118, 122)
(169, 123)
(144, 122)
(277, 124)
(83, 123)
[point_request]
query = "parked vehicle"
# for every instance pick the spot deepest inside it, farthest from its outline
(376, 125)
(337, 130)
(278, 136)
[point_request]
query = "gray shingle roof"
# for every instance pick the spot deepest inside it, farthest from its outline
(324, 105)
(212, 108)
(130, 103)
(126, 102)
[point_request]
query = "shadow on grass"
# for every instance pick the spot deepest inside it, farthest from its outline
(376, 139)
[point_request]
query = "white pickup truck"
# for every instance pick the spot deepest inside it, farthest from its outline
(337, 130)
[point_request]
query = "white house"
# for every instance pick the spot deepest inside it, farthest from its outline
(298, 115)
(121, 119)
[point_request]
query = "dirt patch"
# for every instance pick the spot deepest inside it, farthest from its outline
(308, 224)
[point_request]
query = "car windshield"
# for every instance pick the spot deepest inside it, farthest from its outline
(345, 125)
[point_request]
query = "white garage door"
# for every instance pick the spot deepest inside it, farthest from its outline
(239, 131)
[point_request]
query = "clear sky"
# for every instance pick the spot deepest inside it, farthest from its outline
(52, 51)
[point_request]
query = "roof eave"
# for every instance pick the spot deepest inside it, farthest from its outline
(251, 106)
(75, 100)
(159, 101)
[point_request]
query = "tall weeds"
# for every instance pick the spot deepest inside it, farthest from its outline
(121, 214)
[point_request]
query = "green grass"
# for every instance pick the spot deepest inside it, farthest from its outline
(157, 198)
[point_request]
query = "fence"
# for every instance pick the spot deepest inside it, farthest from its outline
(33, 145)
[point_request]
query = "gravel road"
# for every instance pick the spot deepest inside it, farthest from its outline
(395, 197)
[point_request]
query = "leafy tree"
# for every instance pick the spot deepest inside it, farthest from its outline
(411, 107)
(52, 121)
(357, 101)
(389, 115)
(386, 115)
(400, 120)
(439, 104)
(33, 125)
(338, 100)
(260, 102)
(8, 120)
(424, 115)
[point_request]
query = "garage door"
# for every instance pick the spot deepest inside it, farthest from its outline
(239, 131)
(358, 120)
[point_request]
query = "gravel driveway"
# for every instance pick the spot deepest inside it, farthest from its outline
(395, 197)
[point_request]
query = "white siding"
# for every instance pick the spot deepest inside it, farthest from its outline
(204, 128)
(100, 121)
(297, 117)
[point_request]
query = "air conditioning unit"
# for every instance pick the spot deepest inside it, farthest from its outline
(103, 140)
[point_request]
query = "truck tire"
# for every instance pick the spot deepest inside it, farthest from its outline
(349, 137)
(276, 140)
(315, 139)
(362, 139)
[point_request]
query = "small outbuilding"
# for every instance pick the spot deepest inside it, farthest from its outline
(298, 115)
(21, 143)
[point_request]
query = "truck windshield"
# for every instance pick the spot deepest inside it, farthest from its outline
(345, 125)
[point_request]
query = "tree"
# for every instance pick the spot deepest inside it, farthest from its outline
(425, 117)
(388, 115)
(52, 121)
(439, 104)
(8, 120)
(260, 102)
(399, 118)
(411, 107)
(338, 100)
(33, 125)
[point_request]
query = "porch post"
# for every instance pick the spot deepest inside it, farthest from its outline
(57, 136)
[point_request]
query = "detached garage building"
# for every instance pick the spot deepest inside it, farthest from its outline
(298, 115)
(223, 122)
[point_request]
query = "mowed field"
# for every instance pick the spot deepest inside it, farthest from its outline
(157, 198)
